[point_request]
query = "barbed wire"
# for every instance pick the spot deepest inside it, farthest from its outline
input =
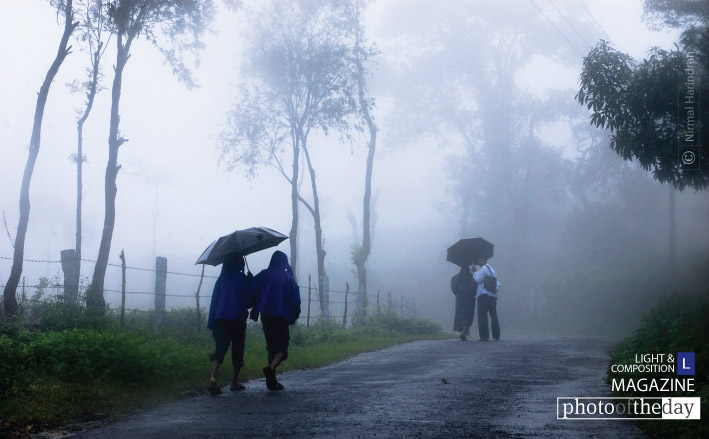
(191, 296)
(372, 296)
(177, 273)
(93, 261)
(32, 260)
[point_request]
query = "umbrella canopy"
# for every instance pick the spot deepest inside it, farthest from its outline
(242, 242)
(464, 252)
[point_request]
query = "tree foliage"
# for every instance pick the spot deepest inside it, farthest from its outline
(298, 79)
(643, 104)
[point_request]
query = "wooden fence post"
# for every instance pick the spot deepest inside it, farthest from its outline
(123, 289)
(160, 287)
(307, 325)
(70, 267)
(347, 292)
(379, 310)
(199, 287)
(401, 307)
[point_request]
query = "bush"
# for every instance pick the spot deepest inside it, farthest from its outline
(55, 315)
(678, 323)
(93, 355)
(11, 364)
(391, 322)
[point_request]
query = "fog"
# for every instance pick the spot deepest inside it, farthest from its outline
(573, 232)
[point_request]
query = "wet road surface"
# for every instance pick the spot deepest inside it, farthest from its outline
(447, 389)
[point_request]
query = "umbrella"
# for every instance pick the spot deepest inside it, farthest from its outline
(242, 242)
(464, 252)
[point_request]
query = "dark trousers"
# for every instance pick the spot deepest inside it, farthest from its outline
(225, 332)
(277, 334)
(488, 304)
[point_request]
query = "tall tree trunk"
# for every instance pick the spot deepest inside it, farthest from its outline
(10, 292)
(90, 95)
(673, 230)
(365, 250)
(94, 295)
(295, 136)
(319, 248)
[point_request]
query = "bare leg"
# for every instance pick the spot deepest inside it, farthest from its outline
(270, 371)
(234, 385)
(277, 359)
(213, 387)
(215, 370)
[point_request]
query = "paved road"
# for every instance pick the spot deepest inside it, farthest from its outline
(496, 389)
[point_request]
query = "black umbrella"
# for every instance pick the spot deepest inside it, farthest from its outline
(241, 242)
(466, 251)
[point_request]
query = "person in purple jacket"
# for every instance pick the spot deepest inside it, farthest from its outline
(279, 306)
(232, 297)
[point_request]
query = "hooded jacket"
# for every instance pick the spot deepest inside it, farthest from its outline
(278, 294)
(233, 293)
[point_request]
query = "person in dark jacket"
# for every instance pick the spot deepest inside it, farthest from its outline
(279, 306)
(232, 297)
(464, 289)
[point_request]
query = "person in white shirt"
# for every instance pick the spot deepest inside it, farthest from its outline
(487, 300)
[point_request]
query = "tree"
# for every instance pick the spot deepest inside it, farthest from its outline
(298, 80)
(464, 64)
(653, 108)
(180, 24)
(639, 104)
(92, 22)
(10, 292)
(642, 105)
(362, 53)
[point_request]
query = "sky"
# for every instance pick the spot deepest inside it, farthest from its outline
(171, 175)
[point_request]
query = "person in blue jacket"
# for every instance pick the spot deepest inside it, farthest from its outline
(279, 306)
(232, 297)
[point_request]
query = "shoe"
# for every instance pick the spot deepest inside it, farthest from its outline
(237, 388)
(497, 339)
(463, 337)
(271, 381)
(483, 339)
(213, 388)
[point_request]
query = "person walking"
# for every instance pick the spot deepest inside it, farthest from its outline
(464, 288)
(232, 297)
(487, 288)
(279, 307)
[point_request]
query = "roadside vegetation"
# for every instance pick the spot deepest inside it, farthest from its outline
(75, 366)
(677, 323)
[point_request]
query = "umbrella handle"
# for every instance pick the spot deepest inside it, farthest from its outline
(248, 270)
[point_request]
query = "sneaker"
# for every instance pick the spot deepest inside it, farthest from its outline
(483, 339)
(463, 337)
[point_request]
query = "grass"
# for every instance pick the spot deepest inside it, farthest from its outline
(49, 377)
(678, 323)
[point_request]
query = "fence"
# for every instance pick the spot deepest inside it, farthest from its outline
(373, 303)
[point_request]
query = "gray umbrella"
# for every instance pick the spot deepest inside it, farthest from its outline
(241, 242)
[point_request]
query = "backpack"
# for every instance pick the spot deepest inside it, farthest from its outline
(455, 285)
(490, 282)
(458, 284)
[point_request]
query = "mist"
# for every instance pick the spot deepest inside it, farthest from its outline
(479, 134)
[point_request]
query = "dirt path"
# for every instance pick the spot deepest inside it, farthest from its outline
(495, 389)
